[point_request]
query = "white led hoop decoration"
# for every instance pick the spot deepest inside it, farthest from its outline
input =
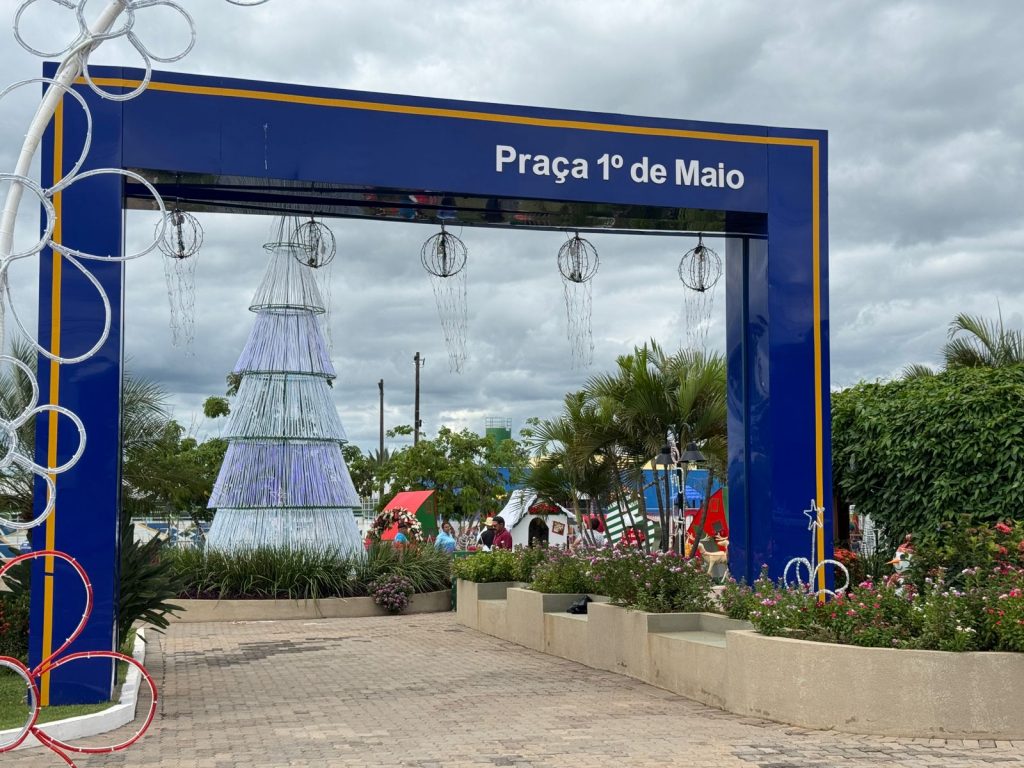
(578, 262)
(75, 62)
(316, 244)
(182, 235)
(33, 702)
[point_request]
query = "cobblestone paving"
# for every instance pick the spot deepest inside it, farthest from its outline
(422, 691)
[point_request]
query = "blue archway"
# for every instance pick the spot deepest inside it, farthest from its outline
(237, 145)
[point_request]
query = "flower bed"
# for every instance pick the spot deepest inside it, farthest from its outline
(655, 582)
(959, 594)
(964, 595)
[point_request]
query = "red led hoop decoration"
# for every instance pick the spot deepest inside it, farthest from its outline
(52, 662)
(57, 744)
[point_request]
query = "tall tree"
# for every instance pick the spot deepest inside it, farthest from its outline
(651, 394)
(462, 468)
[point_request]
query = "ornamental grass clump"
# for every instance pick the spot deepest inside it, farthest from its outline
(427, 568)
(295, 574)
(392, 593)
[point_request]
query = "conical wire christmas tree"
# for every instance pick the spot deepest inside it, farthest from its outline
(284, 481)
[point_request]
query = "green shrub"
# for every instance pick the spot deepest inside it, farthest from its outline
(14, 625)
(674, 584)
(392, 593)
(894, 444)
(148, 582)
(739, 601)
(526, 561)
(488, 567)
(279, 573)
(562, 572)
(658, 582)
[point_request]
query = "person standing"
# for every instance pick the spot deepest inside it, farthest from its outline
(445, 540)
(502, 535)
(402, 537)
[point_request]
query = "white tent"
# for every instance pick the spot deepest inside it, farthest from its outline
(524, 526)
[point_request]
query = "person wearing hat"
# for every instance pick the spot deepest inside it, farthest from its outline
(487, 534)
(502, 535)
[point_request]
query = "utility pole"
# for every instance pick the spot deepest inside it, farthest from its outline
(380, 451)
(417, 423)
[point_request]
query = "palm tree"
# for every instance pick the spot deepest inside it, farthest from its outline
(652, 394)
(144, 423)
(16, 483)
(975, 342)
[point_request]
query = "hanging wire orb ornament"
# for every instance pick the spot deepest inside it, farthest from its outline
(578, 263)
(316, 244)
(700, 269)
(443, 256)
(316, 249)
(180, 241)
(578, 260)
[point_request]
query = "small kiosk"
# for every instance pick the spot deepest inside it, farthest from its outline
(531, 520)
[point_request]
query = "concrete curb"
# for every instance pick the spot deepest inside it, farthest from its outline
(194, 611)
(109, 719)
(724, 663)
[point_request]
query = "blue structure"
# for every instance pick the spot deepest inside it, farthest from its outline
(245, 146)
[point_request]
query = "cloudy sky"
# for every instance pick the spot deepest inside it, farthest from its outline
(923, 101)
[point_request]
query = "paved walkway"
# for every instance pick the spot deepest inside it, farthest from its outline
(424, 692)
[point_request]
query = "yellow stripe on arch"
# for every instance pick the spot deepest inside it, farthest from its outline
(51, 448)
(819, 405)
(461, 114)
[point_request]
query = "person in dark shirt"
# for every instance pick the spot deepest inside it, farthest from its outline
(502, 536)
(487, 534)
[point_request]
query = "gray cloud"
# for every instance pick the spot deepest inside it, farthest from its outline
(923, 102)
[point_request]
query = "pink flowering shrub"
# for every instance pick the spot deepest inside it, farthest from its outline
(659, 582)
(563, 572)
(942, 605)
(392, 593)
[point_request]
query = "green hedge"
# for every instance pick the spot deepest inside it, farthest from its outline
(302, 575)
(933, 451)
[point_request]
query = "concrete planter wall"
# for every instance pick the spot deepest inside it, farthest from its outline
(282, 610)
(724, 663)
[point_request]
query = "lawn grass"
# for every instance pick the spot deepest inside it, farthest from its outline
(14, 701)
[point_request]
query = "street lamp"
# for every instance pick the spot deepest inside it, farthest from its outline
(665, 459)
(691, 458)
